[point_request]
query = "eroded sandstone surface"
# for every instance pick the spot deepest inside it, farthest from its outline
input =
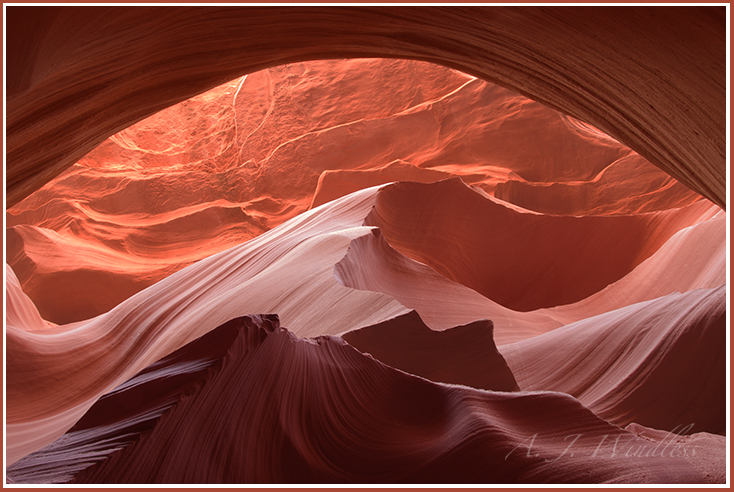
(365, 271)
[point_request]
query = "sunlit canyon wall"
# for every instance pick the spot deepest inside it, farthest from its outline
(361, 271)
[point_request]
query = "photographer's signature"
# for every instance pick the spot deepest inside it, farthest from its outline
(627, 446)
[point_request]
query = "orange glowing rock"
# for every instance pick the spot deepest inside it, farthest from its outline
(482, 253)
(229, 164)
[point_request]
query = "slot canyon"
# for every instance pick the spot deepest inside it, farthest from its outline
(366, 245)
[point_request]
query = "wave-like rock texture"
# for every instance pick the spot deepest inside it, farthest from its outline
(462, 355)
(299, 269)
(230, 164)
(372, 264)
(133, 408)
(653, 77)
(661, 363)
(561, 286)
(255, 404)
(609, 192)
(473, 239)
(20, 310)
(288, 270)
(693, 258)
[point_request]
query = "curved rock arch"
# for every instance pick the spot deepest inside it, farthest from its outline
(652, 77)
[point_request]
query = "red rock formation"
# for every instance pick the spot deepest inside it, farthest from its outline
(289, 270)
(652, 77)
(288, 410)
(609, 192)
(694, 258)
(661, 363)
(463, 355)
(20, 310)
(119, 417)
(225, 166)
(94, 356)
(473, 240)
(372, 264)
(602, 278)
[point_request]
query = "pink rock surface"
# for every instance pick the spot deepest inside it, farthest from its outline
(694, 258)
(283, 409)
(95, 356)
(660, 363)
(372, 264)
(561, 287)
(473, 240)
(225, 166)
(20, 310)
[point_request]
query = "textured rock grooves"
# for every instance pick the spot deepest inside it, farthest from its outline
(652, 77)
(226, 166)
(132, 409)
(675, 344)
(275, 408)
(462, 234)
(472, 287)
(377, 424)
